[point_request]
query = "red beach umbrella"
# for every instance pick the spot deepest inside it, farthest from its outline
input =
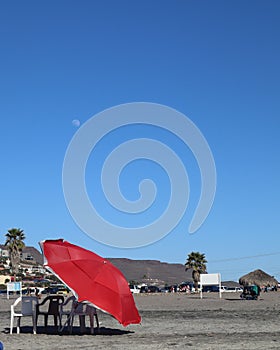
(91, 278)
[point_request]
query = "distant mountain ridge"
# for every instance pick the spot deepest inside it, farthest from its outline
(152, 271)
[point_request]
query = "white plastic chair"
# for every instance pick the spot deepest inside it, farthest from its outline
(81, 310)
(27, 309)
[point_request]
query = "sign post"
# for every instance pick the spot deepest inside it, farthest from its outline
(13, 287)
(210, 279)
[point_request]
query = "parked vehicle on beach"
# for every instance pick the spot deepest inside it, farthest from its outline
(134, 289)
(210, 289)
(144, 289)
(56, 289)
(153, 289)
(223, 288)
(33, 290)
(251, 292)
(233, 290)
(149, 289)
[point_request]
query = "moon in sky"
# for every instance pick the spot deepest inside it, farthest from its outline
(76, 123)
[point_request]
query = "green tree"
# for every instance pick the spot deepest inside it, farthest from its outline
(14, 243)
(197, 262)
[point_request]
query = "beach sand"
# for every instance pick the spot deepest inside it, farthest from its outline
(169, 321)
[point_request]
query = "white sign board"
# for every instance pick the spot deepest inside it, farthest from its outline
(210, 279)
(13, 287)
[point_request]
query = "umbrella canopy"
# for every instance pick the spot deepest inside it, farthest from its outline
(258, 277)
(91, 278)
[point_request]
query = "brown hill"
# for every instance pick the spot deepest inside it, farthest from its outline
(152, 271)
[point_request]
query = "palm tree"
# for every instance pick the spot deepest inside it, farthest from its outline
(15, 244)
(197, 262)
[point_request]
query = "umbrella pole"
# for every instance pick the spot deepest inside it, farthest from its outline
(69, 319)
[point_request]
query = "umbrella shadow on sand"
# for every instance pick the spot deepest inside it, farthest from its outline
(234, 299)
(51, 330)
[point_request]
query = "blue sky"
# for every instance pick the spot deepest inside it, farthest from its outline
(215, 61)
